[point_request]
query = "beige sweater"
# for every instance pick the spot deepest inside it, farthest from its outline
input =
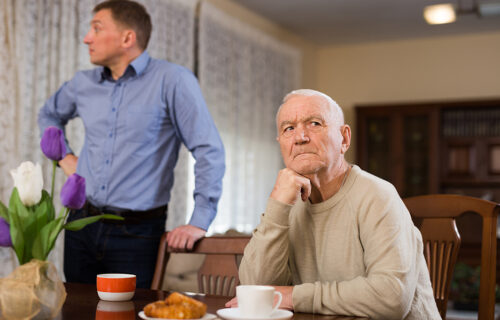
(357, 253)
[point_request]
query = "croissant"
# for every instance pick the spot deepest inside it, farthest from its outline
(176, 306)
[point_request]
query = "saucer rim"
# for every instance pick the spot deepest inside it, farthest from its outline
(287, 314)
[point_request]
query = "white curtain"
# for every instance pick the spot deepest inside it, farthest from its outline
(244, 75)
(40, 48)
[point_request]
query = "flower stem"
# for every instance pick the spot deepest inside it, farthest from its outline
(66, 214)
(54, 164)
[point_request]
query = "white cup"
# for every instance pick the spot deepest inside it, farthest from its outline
(257, 301)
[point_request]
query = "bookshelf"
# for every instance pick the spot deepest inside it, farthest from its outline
(437, 147)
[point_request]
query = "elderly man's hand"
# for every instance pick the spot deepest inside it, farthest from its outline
(286, 302)
(291, 186)
(184, 237)
(286, 292)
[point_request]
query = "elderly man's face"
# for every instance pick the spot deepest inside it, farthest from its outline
(310, 135)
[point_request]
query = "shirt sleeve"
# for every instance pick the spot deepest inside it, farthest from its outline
(265, 260)
(391, 249)
(199, 134)
(58, 110)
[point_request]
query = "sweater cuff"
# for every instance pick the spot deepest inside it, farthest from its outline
(277, 212)
(303, 297)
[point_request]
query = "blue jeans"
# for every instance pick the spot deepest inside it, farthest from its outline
(104, 247)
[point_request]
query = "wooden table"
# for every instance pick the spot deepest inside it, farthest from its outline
(82, 302)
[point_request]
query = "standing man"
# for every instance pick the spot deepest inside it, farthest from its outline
(136, 111)
(334, 238)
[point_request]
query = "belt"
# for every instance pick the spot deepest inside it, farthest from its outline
(130, 216)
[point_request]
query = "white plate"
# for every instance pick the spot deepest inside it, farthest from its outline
(207, 316)
(234, 314)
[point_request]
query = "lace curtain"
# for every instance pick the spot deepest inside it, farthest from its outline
(40, 48)
(244, 75)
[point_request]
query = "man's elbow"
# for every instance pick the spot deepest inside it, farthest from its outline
(395, 302)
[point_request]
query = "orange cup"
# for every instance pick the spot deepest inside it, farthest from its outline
(116, 286)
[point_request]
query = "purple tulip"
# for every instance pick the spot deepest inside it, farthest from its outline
(52, 143)
(73, 192)
(5, 240)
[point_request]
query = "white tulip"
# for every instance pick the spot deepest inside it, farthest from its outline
(28, 180)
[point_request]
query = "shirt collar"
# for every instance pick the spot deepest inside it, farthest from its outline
(138, 65)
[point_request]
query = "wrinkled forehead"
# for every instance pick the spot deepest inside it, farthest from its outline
(300, 106)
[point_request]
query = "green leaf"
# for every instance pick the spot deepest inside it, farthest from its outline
(30, 233)
(79, 224)
(17, 213)
(41, 245)
(53, 235)
(41, 213)
(16, 205)
(16, 234)
(46, 203)
(4, 212)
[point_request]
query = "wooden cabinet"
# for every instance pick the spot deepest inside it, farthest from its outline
(451, 147)
(397, 145)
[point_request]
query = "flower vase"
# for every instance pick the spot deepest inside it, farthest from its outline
(32, 291)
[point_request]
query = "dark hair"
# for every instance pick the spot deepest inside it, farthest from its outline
(132, 15)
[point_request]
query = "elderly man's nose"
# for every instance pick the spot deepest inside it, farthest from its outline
(301, 136)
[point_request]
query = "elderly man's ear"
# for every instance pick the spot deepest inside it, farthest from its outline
(346, 141)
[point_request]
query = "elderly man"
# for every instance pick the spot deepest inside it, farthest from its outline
(335, 239)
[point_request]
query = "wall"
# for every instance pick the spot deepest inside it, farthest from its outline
(428, 69)
(308, 49)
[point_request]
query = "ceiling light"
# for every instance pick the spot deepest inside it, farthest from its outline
(439, 13)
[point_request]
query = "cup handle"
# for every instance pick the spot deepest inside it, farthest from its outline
(280, 297)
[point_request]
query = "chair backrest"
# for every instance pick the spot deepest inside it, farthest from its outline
(441, 239)
(218, 274)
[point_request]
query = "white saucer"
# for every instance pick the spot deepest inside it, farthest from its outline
(234, 314)
(207, 316)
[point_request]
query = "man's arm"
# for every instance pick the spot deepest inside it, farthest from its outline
(266, 256)
(57, 111)
(198, 132)
(184, 237)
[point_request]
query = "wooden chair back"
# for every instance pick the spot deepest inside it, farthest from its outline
(441, 239)
(218, 274)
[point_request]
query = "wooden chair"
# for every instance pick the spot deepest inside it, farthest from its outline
(218, 274)
(437, 214)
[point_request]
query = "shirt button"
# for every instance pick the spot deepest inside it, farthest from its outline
(114, 109)
(107, 161)
(110, 135)
(102, 187)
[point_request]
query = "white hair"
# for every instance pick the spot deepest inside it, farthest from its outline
(310, 93)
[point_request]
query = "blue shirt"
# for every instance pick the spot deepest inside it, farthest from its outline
(134, 127)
